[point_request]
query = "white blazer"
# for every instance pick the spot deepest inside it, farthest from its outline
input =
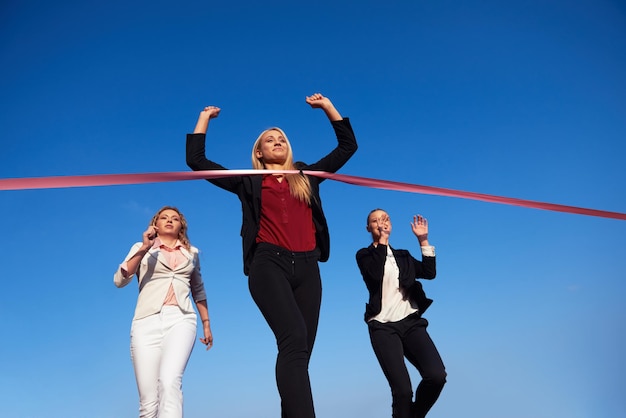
(155, 277)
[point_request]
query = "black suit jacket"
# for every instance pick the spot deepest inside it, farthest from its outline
(371, 262)
(248, 188)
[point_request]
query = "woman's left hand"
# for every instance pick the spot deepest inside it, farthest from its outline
(420, 228)
(208, 337)
(318, 101)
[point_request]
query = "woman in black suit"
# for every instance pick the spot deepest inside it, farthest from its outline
(394, 315)
(284, 235)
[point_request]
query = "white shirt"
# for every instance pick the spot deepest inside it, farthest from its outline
(395, 304)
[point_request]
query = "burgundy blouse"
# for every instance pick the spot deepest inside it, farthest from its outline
(285, 220)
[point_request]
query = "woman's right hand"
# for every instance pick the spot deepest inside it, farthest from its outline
(210, 112)
(149, 236)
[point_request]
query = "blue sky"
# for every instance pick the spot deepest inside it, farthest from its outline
(524, 99)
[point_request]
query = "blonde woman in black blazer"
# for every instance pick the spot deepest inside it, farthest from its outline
(284, 236)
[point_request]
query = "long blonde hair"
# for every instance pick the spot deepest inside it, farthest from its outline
(299, 185)
(182, 234)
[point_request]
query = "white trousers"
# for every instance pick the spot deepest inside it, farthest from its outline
(160, 347)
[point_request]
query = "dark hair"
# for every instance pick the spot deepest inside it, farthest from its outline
(367, 222)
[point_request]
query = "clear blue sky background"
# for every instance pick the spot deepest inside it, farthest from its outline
(524, 99)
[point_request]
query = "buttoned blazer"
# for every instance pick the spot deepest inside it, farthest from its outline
(371, 262)
(248, 188)
(154, 277)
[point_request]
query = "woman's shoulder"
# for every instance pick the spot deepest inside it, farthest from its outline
(365, 250)
(136, 245)
(400, 252)
(361, 251)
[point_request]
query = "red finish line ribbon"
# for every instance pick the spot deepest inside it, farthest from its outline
(122, 179)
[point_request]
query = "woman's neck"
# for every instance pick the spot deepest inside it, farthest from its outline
(274, 166)
(168, 241)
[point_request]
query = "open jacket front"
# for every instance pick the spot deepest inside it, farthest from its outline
(371, 262)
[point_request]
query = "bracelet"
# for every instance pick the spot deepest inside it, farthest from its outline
(206, 320)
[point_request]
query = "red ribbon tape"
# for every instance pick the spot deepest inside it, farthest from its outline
(120, 179)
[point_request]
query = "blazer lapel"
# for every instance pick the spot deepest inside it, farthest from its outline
(188, 259)
(158, 254)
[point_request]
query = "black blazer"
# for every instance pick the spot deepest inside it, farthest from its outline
(371, 262)
(248, 188)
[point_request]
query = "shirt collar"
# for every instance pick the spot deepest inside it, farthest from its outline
(158, 244)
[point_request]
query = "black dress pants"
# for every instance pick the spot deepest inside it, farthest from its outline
(392, 342)
(287, 288)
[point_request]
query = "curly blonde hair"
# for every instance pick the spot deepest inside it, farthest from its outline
(182, 234)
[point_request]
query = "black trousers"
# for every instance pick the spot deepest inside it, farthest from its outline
(392, 342)
(287, 288)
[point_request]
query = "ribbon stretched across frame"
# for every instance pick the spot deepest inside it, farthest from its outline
(123, 179)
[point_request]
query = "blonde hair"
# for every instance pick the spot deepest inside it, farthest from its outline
(299, 185)
(182, 234)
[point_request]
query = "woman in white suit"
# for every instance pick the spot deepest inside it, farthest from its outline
(163, 330)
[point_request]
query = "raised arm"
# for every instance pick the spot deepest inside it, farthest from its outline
(425, 269)
(206, 115)
(196, 150)
(196, 155)
(346, 140)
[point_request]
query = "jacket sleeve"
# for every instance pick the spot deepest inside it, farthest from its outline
(197, 161)
(118, 278)
(196, 284)
(346, 147)
(371, 262)
(416, 269)
(425, 269)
